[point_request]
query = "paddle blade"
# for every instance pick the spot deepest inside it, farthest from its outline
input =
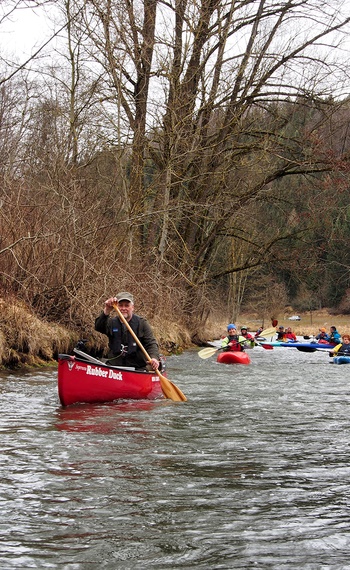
(207, 352)
(170, 390)
(268, 332)
(266, 346)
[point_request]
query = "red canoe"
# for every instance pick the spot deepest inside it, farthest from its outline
(87, 380)
(233, 357)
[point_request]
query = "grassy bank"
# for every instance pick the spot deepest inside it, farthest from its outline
(27, 341)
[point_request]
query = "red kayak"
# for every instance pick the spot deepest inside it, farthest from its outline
(233, 357)
(84, 379)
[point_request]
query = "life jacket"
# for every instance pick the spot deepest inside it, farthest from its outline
(233, 341)
(344, 349)
(247, 336)
(290, 336)
(121, 339)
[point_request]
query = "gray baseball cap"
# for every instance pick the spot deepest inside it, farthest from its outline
(124, 296)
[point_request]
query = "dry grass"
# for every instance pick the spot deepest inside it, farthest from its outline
(27, 340)
(172, 337)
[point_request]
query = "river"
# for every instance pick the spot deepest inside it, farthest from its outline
(251, 472)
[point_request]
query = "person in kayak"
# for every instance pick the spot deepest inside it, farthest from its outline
(322, 337)
(232, 341)
(123, 350)
(334, 336)
(281, 334)
(258, 332)
(249, 338)
(290, 336)
(343, 348)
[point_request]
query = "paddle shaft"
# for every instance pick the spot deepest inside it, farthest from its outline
(170, 390)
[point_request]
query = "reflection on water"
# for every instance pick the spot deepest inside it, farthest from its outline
(105, 418)
(252, 471)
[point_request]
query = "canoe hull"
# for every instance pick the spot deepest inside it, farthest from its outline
(86, 382)
(233, 357)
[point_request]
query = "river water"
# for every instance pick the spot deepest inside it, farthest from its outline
(252, 472)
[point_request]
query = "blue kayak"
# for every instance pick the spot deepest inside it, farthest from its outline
(309, 346)
(302, 346)
(341, 359)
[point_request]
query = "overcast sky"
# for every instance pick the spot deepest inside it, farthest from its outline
(25, 31)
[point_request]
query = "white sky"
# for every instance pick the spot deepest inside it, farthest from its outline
(24, 31)
(27, 29)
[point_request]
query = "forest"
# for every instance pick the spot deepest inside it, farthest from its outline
(193, 152)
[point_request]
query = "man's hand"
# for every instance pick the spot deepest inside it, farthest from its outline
(154, 363)
(109, 305)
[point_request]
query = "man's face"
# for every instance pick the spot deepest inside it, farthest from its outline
(126, 308)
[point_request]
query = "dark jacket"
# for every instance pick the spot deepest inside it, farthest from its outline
(123, 349)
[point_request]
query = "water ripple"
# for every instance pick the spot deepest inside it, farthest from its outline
(251, 472)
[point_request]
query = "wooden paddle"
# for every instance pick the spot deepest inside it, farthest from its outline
(208, 352)
(169, 389)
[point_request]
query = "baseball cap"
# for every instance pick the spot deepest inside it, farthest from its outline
(124, 296)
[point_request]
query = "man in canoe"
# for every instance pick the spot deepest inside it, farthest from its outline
(232, 341)
(123, 350)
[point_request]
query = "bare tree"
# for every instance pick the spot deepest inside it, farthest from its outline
(205, 112)
(205, 94)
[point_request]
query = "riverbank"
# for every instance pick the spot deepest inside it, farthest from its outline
(27, 341)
